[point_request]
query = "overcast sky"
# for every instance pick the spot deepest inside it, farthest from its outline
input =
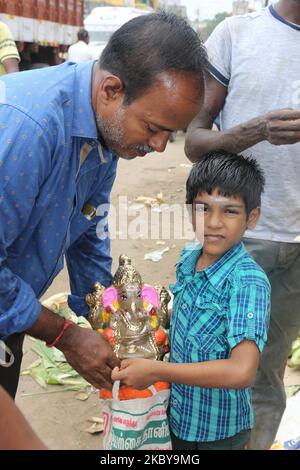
(208, 8)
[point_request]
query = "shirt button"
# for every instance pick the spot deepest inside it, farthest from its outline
(184, 306)
(174, 402)
(250, 315)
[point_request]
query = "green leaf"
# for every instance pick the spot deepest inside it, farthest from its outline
(40, 375)
(295, 346)
(295, 359)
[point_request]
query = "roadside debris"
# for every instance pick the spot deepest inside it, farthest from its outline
(97, 426)
(156, 255)
(186, 165)
(151, 201)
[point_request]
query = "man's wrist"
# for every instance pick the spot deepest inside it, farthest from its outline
(67, 324)
(67, 340)
(48, 327)
(243, 136)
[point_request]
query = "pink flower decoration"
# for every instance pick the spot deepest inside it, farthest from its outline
(109, 296)
(149, 293)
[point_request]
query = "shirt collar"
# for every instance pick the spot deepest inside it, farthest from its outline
(218, 272)
(84, 122)
(283, 20)
(188, 258)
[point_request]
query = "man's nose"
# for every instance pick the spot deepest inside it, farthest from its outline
(159, 141)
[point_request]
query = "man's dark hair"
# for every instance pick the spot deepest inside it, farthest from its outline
(150, 45)
(82, 34)
(233, 175)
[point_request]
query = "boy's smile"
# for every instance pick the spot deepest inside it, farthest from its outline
(224, 219)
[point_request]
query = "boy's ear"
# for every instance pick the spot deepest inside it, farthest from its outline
(253, 218)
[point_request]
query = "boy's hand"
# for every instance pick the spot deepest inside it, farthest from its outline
(137, 373)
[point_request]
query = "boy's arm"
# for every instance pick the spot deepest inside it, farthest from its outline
(236, 372)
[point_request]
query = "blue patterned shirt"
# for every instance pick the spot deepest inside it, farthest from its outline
(213, 311)
(51, 166)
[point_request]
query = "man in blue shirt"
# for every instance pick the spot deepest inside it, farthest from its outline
(61, 132)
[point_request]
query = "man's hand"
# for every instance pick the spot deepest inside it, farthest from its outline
(86, 350)
(137, 373)
(90, 354)
(279, 127)
(282, 127)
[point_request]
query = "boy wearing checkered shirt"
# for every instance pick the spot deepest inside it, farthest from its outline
(220, 313)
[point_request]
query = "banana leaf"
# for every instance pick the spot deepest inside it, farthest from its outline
(295, 359)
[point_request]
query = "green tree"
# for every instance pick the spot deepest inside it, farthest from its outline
(212, 24)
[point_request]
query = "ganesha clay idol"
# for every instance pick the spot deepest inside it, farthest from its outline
(132, 314)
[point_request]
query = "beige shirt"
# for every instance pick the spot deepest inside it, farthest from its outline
(8, 49)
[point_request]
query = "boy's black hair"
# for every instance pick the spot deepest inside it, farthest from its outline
(231, 174)
(149, 45)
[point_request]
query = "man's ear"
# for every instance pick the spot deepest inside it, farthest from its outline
(253, 218)
(112, 89)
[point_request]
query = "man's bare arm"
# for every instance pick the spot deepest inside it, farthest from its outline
(11, 65)
(279, 127)
(15, 431)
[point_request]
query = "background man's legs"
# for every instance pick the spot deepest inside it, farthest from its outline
(281, 262)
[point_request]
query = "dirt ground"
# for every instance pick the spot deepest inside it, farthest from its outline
(58, 417)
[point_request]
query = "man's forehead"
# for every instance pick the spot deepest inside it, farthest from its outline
(189, 85)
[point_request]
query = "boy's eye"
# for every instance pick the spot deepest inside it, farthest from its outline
(232, 211)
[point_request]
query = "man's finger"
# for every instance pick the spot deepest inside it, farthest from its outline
(285, 114)
(285, 125)
(104, 379)
(98, 381)
(112, 361)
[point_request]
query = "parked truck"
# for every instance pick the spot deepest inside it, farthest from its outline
(42, 29)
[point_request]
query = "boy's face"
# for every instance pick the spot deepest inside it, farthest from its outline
(224, 220)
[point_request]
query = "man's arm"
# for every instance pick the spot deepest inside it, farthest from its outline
(279, 127)
(9, 55)
(87, 351)
(15, 432)
(11, 65)
(236, 372)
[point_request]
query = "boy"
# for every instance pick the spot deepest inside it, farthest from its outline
(220, 312)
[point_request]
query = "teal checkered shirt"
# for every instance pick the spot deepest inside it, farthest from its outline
(213, 311)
